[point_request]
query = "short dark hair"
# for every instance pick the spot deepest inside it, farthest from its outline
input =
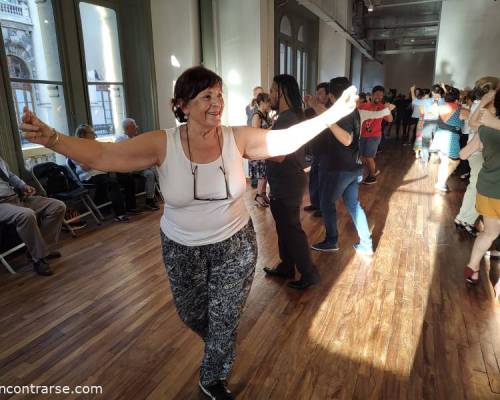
(437, 89)
(262, 97)
(191, 82)
(82, 129)
(423, 92)
(378, 88)
(322, 85)
(338, 85)
(452, 94)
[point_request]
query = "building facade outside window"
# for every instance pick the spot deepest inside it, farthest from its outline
(34, 70)
(103, 67)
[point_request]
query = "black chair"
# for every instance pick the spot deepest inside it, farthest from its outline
(46, 175)
(89, 186)
(9, 243)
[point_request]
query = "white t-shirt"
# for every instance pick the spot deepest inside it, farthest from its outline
(193, 222)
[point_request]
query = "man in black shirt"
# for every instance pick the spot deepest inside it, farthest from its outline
(341, 173)
(287, 180)
(314, 185)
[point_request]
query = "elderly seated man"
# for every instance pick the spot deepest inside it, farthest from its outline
(21, 207)
(108, 185)
(130, 130)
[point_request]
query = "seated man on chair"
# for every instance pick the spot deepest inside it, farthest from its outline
(108, 185)
(23, 211)
(130, 130)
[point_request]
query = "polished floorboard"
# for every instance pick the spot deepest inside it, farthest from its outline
(401, 325)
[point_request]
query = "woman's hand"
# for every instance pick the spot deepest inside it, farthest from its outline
(487, 98)
(390, 106)
(345, 105)
(35, 130)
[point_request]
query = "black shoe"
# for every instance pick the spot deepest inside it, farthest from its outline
(302, 284)
(277, 272)
(122, 218)
(41, 267)
(217, 391)
(370, 180)
(310, 208)
(317, 214)
(152, 205)
(53, 254)
(134, 211)
(325, 247)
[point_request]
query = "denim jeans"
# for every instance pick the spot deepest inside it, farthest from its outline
(314, 183)
(345, 184)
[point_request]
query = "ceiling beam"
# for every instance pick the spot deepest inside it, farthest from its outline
(408, 3)
(402, 33)
(331, 21)
(396, 21)
(407, 50)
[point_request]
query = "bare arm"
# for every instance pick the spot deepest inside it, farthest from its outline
(341, 134)
(139, 153)
(259, 144)
(412, 91)
(256, 121)
(366, 114)
(473, 146)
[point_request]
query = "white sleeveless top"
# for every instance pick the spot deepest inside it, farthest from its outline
(193, 222)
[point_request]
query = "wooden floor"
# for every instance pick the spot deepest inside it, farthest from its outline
(400, 326)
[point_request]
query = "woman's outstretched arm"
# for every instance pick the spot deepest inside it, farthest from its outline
(136, 154)
(259, 144)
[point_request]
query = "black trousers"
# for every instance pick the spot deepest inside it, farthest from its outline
(292, 241)
(108, 187)
(411, 130)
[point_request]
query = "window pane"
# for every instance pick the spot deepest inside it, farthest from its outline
(282, 58)
(300, 35)
(100, 40)
(30, 39)
(305, 82)
(107, 107)
(299, 68)
(46, 100)
(285, 26)
(289, 63)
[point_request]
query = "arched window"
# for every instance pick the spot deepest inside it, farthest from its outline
(300, 35)
(18, 68)
(285, 26)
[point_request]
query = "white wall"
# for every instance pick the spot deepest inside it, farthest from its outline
(373, 75)
(403, 70)
(175, 33)
(238, 27)
(468, 40)
(334, 53)
(356, 67)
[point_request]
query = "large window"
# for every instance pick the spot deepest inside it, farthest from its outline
(103, 68)
(34, 71)
(296, 36)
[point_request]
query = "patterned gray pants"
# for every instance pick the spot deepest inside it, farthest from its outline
(210, 285)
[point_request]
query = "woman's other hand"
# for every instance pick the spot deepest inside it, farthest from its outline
(34, 129)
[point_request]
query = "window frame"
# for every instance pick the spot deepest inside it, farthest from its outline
(115, 7)
(8, 82)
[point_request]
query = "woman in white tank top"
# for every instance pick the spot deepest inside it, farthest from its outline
(209, 244)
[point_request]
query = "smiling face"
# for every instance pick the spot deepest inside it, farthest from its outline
(206, 108)
(377, 96)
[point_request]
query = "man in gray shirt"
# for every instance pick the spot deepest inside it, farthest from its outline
(131, 130)
(23, 213)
